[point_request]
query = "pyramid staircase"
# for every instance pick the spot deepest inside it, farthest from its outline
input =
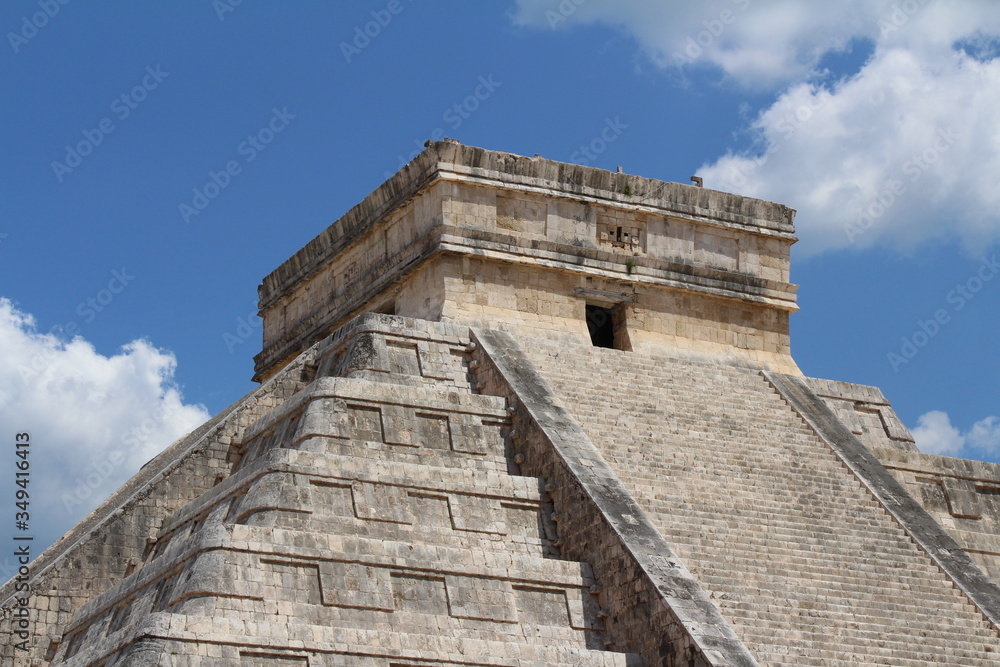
(798, 555)
(372, 520)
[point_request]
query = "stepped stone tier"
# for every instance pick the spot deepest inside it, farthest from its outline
(515, 412)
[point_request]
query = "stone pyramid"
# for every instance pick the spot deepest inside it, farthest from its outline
(516, 412)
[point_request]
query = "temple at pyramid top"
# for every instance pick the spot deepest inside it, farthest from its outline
(476, 237)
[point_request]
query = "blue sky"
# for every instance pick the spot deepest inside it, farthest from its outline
(129, 311)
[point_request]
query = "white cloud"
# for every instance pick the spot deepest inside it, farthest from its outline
(755, 43)
(903, 151)
(94, 420)
(935, 434)
(985, 435)
(769, 44)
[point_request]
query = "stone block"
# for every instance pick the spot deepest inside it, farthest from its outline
(963, 500)
(381, 502)
(356, 585)
(477, 514)
(481, 598)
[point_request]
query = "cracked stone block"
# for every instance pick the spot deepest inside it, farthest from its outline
(327, 417)
(365, 423)
(426, 595)
(542, 606)
(291, 581)
(433, 431)
(470, 435)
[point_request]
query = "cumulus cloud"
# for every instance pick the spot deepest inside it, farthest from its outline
(900, 152)
(985, 435)
(771, 44)
(935, 434)
(905, 151)
(94, 420)
(756, 44)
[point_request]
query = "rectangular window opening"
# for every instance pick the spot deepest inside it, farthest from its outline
(600, 323)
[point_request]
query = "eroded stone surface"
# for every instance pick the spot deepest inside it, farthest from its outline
(484, 238)
(518, 412)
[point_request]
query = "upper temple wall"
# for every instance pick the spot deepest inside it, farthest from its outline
(586, 235)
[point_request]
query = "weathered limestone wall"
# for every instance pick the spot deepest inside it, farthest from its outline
(653, 604)
(700, 270)
(622, 225)
(115, 539)
(379, 241)
(373, 520)
(536, 302)
(963, 497)
(551, 302)
(866, 412)
(422, 295)
(800, 559)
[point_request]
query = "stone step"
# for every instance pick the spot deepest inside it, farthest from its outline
(233, 640)
(431, 528)
(346, 416)
(258, 573)
(835, 617)
(304, 487)
(763, 513)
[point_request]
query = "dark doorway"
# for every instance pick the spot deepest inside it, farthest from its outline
(601, 326)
